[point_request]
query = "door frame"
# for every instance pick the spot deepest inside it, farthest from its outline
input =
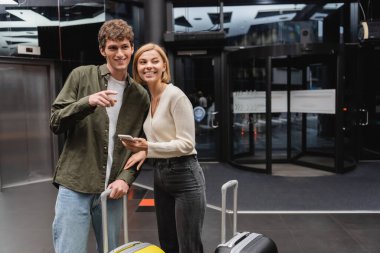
(364, 107)
(216, 55)
(314, 51)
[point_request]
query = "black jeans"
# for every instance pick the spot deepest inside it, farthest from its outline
(180, 200)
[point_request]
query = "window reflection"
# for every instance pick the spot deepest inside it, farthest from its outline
(23, 22)
(54, 26)
(257, 24)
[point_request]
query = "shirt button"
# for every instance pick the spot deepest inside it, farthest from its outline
(105, 147)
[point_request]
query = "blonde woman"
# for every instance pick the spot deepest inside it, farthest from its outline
(179, 184)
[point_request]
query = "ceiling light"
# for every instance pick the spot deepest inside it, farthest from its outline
(8, 2)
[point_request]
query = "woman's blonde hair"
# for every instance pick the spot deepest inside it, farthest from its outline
(147, 47)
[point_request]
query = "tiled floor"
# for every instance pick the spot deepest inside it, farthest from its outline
(26, 213)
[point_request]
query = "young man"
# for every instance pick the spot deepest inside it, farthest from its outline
(96, 104)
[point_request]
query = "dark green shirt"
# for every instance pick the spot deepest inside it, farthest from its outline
(82, 163)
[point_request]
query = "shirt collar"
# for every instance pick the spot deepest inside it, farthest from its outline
(104, 72)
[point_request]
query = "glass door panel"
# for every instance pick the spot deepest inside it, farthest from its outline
(279, 135)
(313, 132)
(296, 147)
(304, 101)
(194, 74)
(248, 92)
(279, 109)
(296, 119)
(368, 109)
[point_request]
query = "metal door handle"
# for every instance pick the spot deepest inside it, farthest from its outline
(366, 117)
(213, 125)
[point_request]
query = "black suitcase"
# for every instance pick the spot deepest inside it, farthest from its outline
(243, 242)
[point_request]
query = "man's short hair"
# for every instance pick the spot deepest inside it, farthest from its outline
(116, 30)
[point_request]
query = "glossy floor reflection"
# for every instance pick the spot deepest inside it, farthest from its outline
(26, 213)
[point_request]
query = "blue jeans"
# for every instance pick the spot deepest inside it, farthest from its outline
(180, 200)
(74, 212)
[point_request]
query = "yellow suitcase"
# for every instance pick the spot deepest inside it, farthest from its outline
(128, 247)
(136, 246)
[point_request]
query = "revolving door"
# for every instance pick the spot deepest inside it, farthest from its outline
(286, 108)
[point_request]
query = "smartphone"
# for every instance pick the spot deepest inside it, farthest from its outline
(125, 137)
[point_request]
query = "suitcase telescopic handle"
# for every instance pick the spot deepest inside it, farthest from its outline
(225, 187)
(103, 198)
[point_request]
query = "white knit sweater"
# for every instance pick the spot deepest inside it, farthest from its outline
(171, 131)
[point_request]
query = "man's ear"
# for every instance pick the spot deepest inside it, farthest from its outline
(101, 50)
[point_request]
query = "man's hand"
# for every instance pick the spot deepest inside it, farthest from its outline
(119, 189)
(103, 98)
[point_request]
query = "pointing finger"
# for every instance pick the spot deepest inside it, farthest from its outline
(110, 92)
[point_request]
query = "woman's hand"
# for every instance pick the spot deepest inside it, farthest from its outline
(137, 157)
(135, 145)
